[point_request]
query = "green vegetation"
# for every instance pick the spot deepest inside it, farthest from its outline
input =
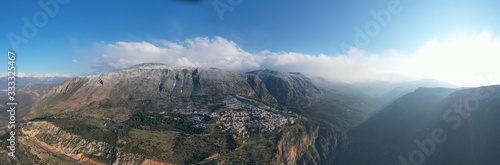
(87, 129)
(157, 144)
(174, 147)
(165, 122)
(259, 149)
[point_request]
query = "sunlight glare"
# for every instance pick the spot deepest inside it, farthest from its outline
(460, 61)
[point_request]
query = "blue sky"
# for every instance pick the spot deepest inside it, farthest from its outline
(76, 38)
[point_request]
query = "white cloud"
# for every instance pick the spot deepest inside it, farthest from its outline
(460, 61)
(197, 52)
(47, 75)
(224, 54)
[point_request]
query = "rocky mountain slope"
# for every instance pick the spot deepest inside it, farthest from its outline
(159, 86)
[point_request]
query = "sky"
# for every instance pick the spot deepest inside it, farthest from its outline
(342, 40)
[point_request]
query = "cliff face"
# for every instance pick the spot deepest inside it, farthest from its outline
(287, 88)
(294, 144)
(309, 143)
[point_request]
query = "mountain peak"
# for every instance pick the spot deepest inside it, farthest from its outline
(274, 72)
(149, 66)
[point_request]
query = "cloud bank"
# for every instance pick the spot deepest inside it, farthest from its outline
(462, 61)
(47, 75)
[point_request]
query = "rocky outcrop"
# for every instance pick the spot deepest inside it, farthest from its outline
(294, 144)
(287, 88)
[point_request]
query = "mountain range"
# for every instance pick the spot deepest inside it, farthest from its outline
(159, 114)
(208, 115)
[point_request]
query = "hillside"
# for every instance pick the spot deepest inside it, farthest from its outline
(459, 122)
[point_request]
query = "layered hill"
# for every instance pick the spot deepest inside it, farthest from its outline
(430, 126)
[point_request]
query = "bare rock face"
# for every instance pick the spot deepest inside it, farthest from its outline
(287, 88)
(294, 144)
(160, 85)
